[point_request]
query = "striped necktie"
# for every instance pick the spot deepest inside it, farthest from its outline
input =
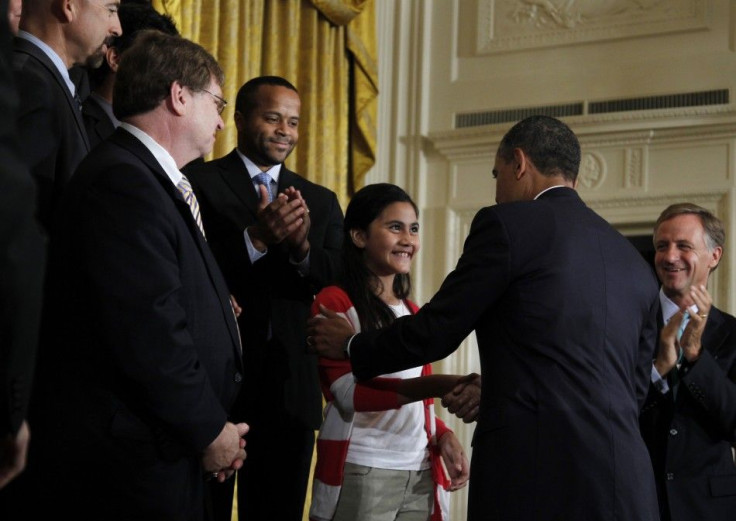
(186, 191)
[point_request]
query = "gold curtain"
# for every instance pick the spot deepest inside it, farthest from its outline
(326, 48)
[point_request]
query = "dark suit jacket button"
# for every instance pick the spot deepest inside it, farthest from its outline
(238, 378)
(670, 476)
(673, 432)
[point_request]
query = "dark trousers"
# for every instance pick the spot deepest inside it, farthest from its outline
(273, 481)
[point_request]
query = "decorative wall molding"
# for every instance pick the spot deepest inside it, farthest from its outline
(592, 171)
(512, 25)
(634, 168)
(621, 129)
(657, 202)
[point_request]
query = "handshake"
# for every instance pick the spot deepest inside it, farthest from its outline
(464, 399)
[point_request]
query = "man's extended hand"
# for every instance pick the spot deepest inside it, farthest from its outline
(464, 400)
(328, 333)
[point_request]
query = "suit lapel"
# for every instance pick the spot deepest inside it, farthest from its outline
(235, 176)
(102, 125)
(30, 49)
(288, 178)
(133, 145)
(715, 333)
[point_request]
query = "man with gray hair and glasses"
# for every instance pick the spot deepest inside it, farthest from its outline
(139, 357)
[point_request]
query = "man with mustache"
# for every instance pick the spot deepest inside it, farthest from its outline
(689, 418)
(55, 35)
(275, 256)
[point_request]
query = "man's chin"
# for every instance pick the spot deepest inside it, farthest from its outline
(94, 61)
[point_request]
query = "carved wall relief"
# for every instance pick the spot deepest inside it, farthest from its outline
(509, 25)
(592, 170)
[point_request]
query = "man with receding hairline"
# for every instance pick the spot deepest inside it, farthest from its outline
(54, 35)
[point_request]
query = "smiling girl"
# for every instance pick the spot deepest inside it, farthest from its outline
(380, 449)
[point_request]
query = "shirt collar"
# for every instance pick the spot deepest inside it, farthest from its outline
(106, 106)
(669, 308)
(547, 190)
(253, 169)
(159, 153)
(55, 58)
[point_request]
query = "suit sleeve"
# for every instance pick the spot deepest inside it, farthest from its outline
(714, 390)
(338, 382)
(22, 260)
(646, 392)
(135, 270)
(39, 128)
(324, 257)
(481, 276)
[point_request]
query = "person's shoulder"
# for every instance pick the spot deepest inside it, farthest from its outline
(511, 212)
(334, 296)
(91, 107)
(412, 306)
(200, 171)
(28, 59)
(306, 186)
(113, 155)
(724, 317)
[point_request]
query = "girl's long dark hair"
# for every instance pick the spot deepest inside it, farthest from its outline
(360, 283)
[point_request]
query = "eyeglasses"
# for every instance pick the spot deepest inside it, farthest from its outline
(221, 102)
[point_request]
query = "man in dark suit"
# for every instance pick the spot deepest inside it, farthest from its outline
(689, 419)
(275, 256)
(564, 311)
(99, 120)
(22, 256)
(55, 35)
(139, 359)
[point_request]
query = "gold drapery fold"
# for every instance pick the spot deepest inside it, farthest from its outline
(361, 45)
(340, 12)
(326, 48)
(364, 95)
